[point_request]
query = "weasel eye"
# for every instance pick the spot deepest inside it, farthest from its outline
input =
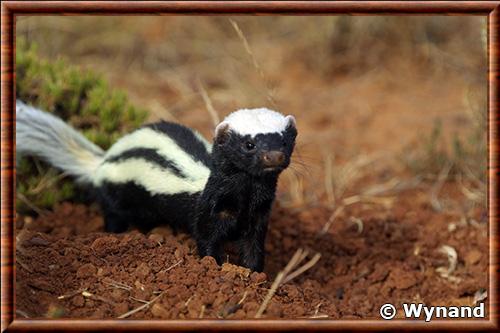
(249, 146)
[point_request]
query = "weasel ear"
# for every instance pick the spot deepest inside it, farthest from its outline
(291, 121)
(221, 132)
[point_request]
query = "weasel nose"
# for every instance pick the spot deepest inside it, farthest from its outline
(273, 158)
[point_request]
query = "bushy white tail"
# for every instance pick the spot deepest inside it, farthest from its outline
(44, 135)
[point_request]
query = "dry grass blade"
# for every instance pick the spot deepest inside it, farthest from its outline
(446, 272)
(202, 311)
(332, 218)
(23, 265)
(382, 188)
(244, 40)
(296, 190)
(358, 222)
(118, 285)
(343, 176)
(277, 281)
(436, 188)
(31, 205)
(138, 300)
(208, 104)
(47, 181)
(285, 276)
(243, 298)
(246, 45)
(330, 193)
(161, 111)
(303, 268)
(22, 313)
(71, 294)
(173, 266)
(140, 308)
(479, 296)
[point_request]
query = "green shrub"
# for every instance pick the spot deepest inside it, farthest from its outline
(83, 99)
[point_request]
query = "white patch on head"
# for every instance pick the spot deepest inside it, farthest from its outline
(153, 178)
(256, 121)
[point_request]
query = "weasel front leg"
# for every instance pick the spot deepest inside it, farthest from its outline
(252, 250)
(115, 222)
(212, 230)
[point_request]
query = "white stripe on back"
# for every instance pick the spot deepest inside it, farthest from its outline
(152, 177)
(166, 147)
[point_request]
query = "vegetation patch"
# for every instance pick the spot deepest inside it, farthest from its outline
(84, 100)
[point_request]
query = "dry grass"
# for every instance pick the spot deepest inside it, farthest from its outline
(287, 274)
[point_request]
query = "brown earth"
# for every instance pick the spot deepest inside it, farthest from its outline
(68, 267)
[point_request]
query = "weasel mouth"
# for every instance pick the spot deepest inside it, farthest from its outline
(271, 169)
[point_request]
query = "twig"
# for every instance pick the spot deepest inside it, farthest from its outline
(140, 308)
(202, 311)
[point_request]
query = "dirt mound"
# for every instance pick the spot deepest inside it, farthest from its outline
(68, 267)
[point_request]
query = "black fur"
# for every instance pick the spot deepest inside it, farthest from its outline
(236, 202)
(129, 204)
(185, 138)
(234, 205)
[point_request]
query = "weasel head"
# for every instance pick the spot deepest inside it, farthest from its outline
(257, 141)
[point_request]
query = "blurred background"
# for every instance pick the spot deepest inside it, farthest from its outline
(375, 97)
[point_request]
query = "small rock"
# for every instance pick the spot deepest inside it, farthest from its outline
(402, 279)
(86, 270)
(102, 245)
(39, 241)
(292, 291)
(241, 271)
(159, 311)
(121, 308)
(209, 261)
(78, 301)
(41, 285)
(156, 238)
(256, 277)
(142, 270)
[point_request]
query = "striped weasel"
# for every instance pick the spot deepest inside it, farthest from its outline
(167, 173)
